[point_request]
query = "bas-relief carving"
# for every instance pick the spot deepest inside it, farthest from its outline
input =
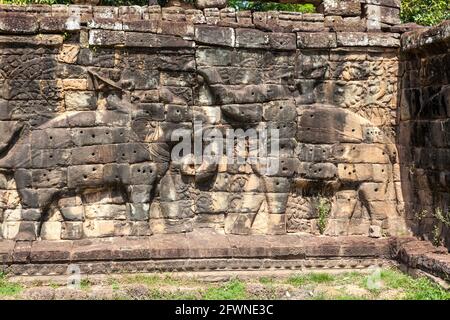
(106, 170)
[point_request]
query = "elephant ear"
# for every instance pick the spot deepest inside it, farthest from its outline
(103, 84)
(10, 132)
(113, 91)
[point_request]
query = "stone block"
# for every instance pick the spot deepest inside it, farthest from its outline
(105, 212)
(282, 111)
(142, 39)
(312, 64)
(51, 230)
(80, 101)
(138, 212)
(372, 192)
(382, 14)
(177, 209)
(251, 38)
(17, 23)
(72, 230)
(249, 113)
(85, 175)
(391, 40)
(360, 153)
(345, 24)
(202, 4)
(73, 213)
(68, 53)
(141, 25)
(342, 7)
(221, 36)
(159, 226)
(50, 157)
(140, 193)
(106, 38)
(178, 113)
(364, 172)
(98, 228)
(352, 39)
(49, 178)
(316, 40)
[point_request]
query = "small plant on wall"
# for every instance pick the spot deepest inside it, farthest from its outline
(443, 221)
(323, 208)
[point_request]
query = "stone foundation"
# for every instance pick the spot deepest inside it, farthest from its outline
(91, 97)
(210, 251)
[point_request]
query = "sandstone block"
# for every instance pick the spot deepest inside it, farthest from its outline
(345, 24)
(141, 39)
(202, 4)
(51, 230)
(106, 38)
(342, 7)
(80, 100)
(222, 36)
(352, 39)
(316, 40)
(251, 38)
(98, 228)
(17, 23)
(381, 14)
(105, 212)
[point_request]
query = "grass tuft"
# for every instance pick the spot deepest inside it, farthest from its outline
(8, 288)
(233, 290)
(299, 280)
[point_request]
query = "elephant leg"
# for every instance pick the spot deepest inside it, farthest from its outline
(30, 214)
(139, 197)
(35, 203)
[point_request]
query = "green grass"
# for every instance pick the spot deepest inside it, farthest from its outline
(347, 297)
(266, 280)
(85, 284)
(114, 284)
(8, 288)
(310, 278)
(158, 280)
(232, 290)
(413, 288)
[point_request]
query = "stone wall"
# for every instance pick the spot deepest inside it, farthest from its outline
(91, 95)
(424, 138)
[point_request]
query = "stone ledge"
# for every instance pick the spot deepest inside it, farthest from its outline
(195, 245)
(194, 265)
(428, 40)
(33, 19)
(208, 250)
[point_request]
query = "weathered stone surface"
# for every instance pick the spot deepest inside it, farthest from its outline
(316, 40)
(381, 14)
(202, 4)
(352, 39)
(141, 39)
(342, 7)
(87, 121)
(215, 35)
(345, 24)
(17, 23)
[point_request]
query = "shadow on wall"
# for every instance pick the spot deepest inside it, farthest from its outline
(424, 133)
(29, 96)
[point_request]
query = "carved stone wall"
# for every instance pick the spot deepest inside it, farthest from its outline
(424, 138)
(91, 96)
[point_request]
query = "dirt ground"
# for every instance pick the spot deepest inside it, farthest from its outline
(378, 284)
